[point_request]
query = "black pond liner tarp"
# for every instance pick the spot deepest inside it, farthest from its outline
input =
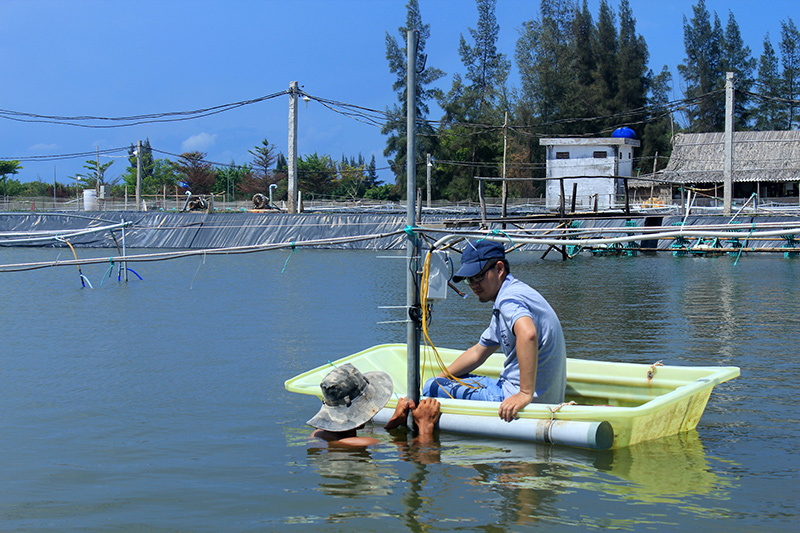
(154, 229)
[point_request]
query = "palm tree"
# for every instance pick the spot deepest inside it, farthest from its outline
(8, 167)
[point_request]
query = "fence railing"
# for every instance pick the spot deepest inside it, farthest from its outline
(222, 204)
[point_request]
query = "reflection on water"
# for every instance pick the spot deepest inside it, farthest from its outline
(160, 404)
(662, 470)
(519, 483)
(349, 472)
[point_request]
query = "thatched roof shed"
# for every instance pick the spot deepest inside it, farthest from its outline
(758, 156)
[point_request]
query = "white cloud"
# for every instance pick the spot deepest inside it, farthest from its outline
(44, 148)
(199, 143)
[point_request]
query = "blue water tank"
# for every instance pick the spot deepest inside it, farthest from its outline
(624, 132)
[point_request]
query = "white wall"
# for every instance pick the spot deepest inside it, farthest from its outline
(601, 173)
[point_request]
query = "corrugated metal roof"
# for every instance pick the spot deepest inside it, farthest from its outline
(765, 156)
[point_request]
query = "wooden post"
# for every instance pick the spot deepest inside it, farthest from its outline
(627, 201)
(574, 196)
(483, 202)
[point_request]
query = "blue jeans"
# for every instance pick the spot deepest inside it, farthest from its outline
(488, 389)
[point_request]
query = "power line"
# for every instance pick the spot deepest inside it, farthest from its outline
(132, 120)
(58, 157)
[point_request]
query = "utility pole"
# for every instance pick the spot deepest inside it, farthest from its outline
(504, 194)
(727, 172)
(429, 180)
(138, 174)
(413, 329)
(292, 159)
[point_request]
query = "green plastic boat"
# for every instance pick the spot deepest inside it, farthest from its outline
(615, 404)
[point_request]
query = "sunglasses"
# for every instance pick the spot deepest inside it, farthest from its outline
(477, 278)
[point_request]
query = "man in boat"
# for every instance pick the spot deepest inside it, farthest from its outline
(350, 399)
(523, 325)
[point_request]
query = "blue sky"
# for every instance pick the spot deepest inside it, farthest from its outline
(121, 58)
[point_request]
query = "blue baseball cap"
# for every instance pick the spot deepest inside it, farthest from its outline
(475, 256)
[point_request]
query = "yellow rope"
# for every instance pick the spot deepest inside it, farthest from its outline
(424, 283)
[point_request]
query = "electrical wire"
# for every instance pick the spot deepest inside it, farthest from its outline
(132, 120)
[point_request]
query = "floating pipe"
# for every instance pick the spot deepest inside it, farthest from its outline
(590, 435)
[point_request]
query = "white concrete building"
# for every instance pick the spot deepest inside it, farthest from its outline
(596, 165)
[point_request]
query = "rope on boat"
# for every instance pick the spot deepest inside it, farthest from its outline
(652, 371)
(553, 411)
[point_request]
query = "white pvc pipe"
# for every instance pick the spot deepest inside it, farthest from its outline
(591, 435)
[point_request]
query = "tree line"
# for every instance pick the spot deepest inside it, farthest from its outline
(349, 179)
(580, 74)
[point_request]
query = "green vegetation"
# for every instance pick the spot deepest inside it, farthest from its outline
(578, 76)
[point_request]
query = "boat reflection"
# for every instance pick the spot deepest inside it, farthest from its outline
(525, 483)
(665, 468)
(521, 483)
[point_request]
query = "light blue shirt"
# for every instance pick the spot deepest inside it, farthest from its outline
(515, 300)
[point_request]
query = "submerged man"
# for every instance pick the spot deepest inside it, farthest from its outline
(350, 399)
(523, 325)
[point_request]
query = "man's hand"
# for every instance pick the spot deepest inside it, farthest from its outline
(511, 405)
(425, 416)
(400, 415)
(427, 412)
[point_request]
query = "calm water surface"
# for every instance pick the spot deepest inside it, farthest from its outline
(159, 404)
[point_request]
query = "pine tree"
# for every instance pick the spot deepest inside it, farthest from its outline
(702, 70)
(736, 58)
(395, 126)
(585, 65)
(546, 65)
(769, 114)
(606, 48)
(264, 159)
(198, 174)
(790, 57)
(372, 174)
(474, 100)
(657, 138)
(633, 76)
(148, 164)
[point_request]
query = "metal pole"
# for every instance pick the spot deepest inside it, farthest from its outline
(728, 166)
(412, 244)
(504, 194)
(138, 175)
(292, 160)
(429, 181)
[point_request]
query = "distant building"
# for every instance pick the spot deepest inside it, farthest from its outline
(597, 166)
(764, 162)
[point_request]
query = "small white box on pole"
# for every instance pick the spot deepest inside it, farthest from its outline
(440, 272)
